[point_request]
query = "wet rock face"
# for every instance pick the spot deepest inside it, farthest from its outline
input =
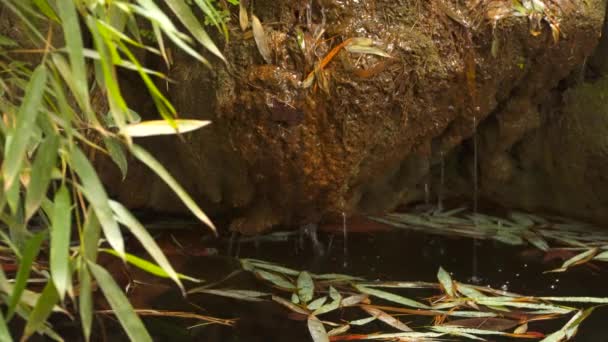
(366, 133)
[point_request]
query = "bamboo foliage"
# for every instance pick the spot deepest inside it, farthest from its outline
(51, 194)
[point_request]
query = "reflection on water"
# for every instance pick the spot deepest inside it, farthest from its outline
(392, 255)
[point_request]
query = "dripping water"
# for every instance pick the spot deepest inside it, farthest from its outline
(441, 183)
(345, 237)
(475, 277)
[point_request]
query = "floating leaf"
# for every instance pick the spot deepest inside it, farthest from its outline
(291, 306)
(317, 330)
(246, 295)
(577, 260)
(391, 297)
(331, 306)
(386, 318)
(306, 287)
(317, 303)
(446, 281)
(275, 279)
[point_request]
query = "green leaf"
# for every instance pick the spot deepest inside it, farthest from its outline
(127, 219)
(90, 238)
(148, 266)
(60, 241)
(5, 334)
(119, 303)
(317, 303)
(47, 10)
(163, 127)
(317, 330)
(30, 251)
(43, 309)
(577, 260)
(74, 45)
(331, 306)
(391, 297)
(117, 154)
(85, 300)
(160, 170)
(41, 175)
(275, 279)
(26, 120)
(246, 295)
(186, 16)
(95, 193)
(6, 41)
(306, 287)
(446, 281)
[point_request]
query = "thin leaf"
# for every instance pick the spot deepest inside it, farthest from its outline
(30, 251)
(160, 170)
(60, 241)
(117, 154)
(40, 176)
(276, 280)
(243, 17)
(163, 127)
(95, 193)
(446, 281)
(85, 300)
(123, 310)
(291, 306)
(306, 287)
(186, 16)
(26, 120)
(317, 330)
(386, 318)
(391, 297)
(43, 309)
(331, 306)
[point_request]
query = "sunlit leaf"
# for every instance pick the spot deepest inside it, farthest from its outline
(386, 318)
(317, 303)
(117, 154)
(446, 281)
(306, 287)
(43, 309)
(276, 280)
(243, 17)
(246, 295)
(260, 39)
(163, 127)
(331, 306)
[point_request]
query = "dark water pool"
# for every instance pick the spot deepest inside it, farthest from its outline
(392, 255)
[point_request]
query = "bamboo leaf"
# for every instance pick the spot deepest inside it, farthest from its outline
(163, 127)
(95, 193)
(391, 297)
(446, 281)
(165, 270)
(26, 120)
(275, 279)
(60, 241)
(129, 320)
(160, 170)
(306, 287)
(5, 334)
(30, 251)
(260, 39)
(317, 330)
(186, 16)
(246, 295)
(40, 176)
(43, 309)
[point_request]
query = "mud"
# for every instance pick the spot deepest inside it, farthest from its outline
(368, 132)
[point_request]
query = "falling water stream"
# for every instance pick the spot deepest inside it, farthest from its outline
(474, 277)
